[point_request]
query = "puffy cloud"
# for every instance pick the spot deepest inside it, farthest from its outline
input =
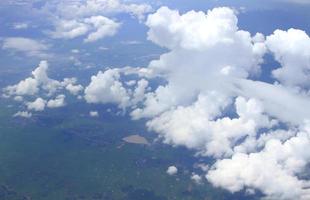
(208, 72)
(24, 114)
(191, 38)
(274, 170)
(18, 98)
(106, 87)
(39, 81)
(39, 84)
(95, 27)
(59, 101)
(172, 170)
(208, 101)
(196, 126)
(90, 18)
(27, 46)
(37, 105)
(28, 86)
(74, 89)
(69, 29)
(104, 27)
(139, 92)
(292, 50)
(196, 178)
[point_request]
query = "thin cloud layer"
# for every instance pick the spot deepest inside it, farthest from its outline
(29, 47)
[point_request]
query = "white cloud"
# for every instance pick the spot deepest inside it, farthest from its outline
(37, 105)
(24, 87)
(74, 89)
(27, 46)
(106, 87)
(192, 38)
(196, 126)
(139, 92)
(208, 71)
(292, 49)
(172, 170)
(273, 170)
(59, 101)
(22, 25)
(24, 114)
(95, 27)
(39, 84)
(69, 29)
(196, 178)
(272, 97)
(93, 113)
(18, 98)
(39, 81)
(103, 27)
(90, 18)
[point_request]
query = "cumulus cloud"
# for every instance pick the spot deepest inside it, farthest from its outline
(209, 102)
(105, 87)
(172, 170)
(196, 126)
(69, 29)
(45, 89)
(28, 46)
(283, 161)
(108, 87)
(91, 18)
(24, 114)
(40, 82)
(37, 105)
(74, 89)
(104, 27)
(95, 27)
(292, 50)
(196, 178)
(59, 101)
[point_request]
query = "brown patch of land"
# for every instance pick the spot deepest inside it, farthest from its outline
(136, 139)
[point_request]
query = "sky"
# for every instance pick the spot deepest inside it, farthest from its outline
(227, 79)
